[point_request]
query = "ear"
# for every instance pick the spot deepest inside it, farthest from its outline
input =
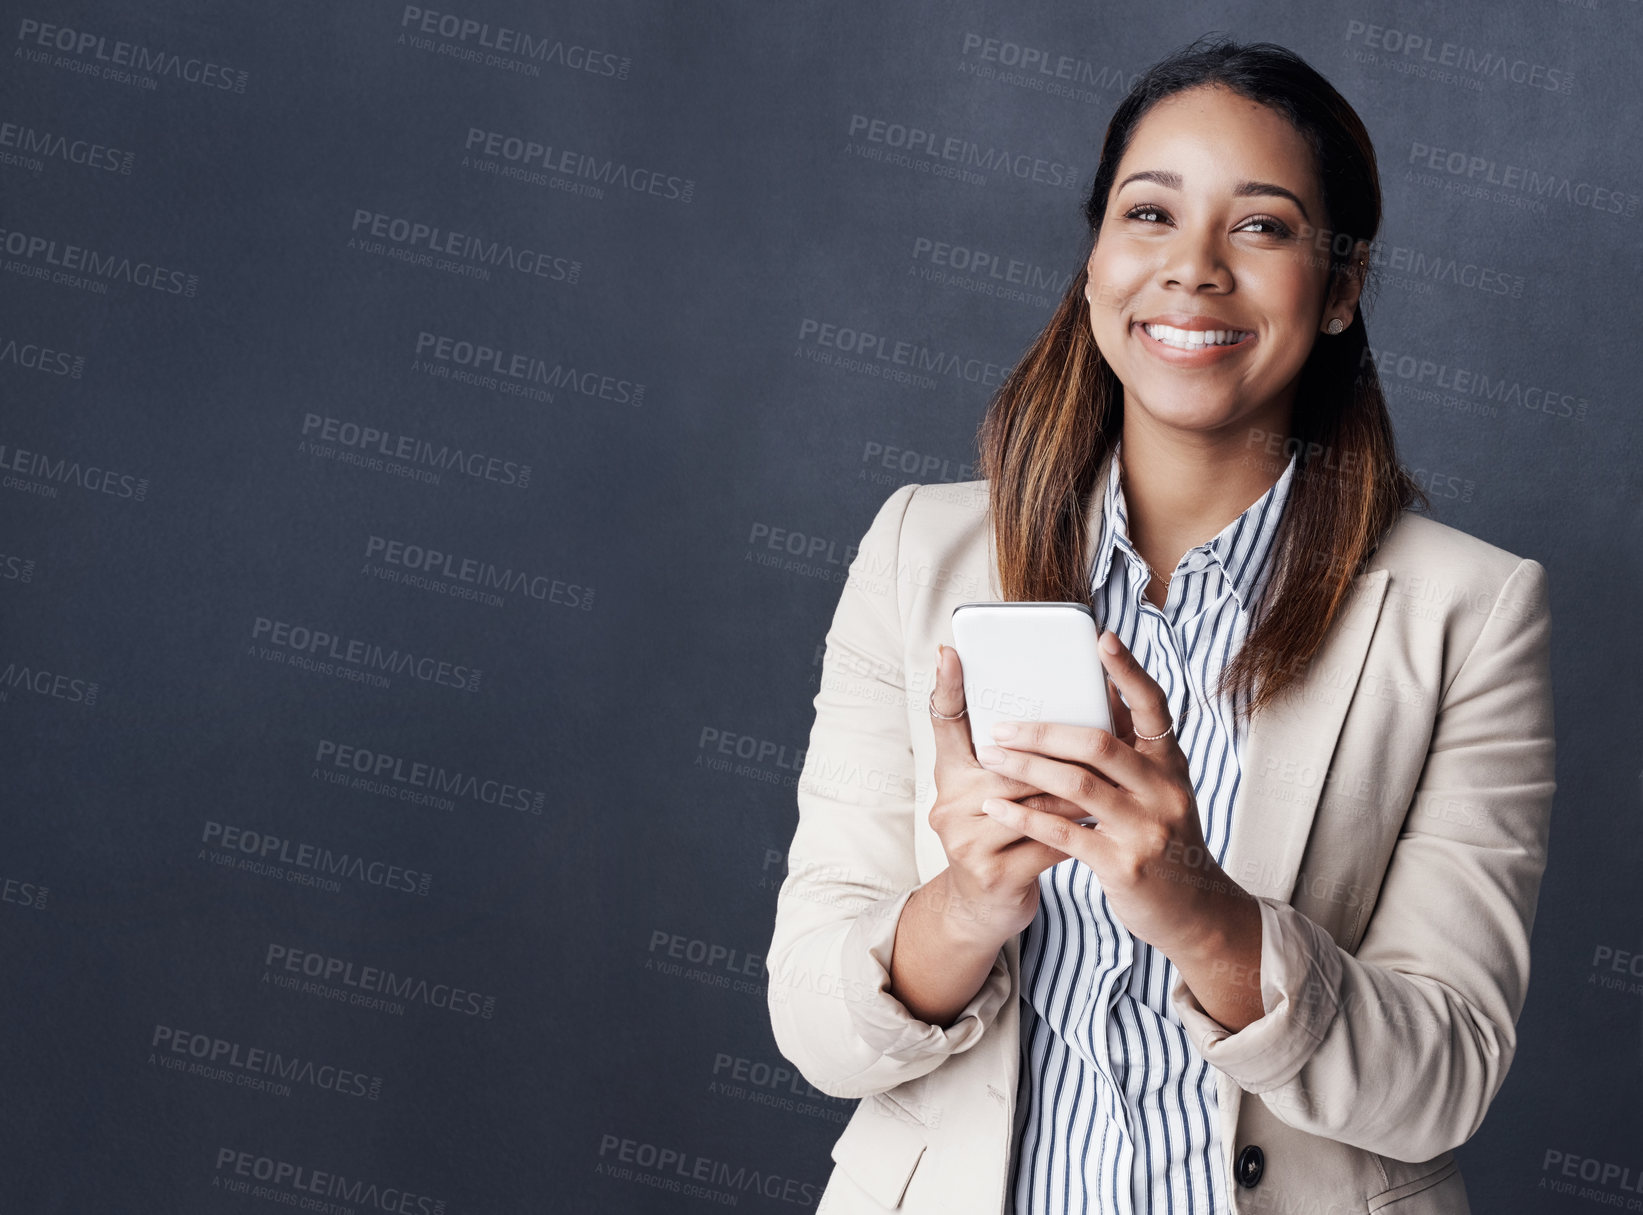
(1098, 294)
(1348, 284)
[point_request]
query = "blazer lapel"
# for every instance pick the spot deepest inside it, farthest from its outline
(1288, 748)
(1287, 751)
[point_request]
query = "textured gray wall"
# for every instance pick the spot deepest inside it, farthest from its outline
(357, 440)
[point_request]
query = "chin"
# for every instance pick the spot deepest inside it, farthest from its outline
(1190, 413)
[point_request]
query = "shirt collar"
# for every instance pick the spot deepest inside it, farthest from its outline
(1241, 548)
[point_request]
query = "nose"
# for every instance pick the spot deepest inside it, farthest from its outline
(1195, 259)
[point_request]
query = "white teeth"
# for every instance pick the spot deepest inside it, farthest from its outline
(1194, 339)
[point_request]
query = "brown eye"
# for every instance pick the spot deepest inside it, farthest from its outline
(1274, 227)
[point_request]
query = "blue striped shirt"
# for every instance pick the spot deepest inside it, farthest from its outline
(1116, 1112)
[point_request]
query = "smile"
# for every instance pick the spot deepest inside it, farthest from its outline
(1195, 339)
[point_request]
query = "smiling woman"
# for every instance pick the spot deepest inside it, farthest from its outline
(1283, 970)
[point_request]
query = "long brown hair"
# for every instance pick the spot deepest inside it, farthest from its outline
(1060, 411)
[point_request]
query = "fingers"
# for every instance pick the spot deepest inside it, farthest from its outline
(1024, 854)
(1057, 833)
(1052, 804)
(1122, 724)
(1031, 855)
(1058, 758)
(1089, 791)
(952, 737)
(1149, 709)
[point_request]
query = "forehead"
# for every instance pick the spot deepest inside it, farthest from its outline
(1213, 136)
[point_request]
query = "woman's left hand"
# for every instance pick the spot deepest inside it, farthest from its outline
(1147, 846)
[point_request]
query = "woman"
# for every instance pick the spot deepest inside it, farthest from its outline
(1284, 970)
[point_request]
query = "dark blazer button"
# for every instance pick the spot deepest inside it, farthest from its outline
(1251, 1164)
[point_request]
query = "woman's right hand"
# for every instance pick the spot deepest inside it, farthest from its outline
(992, 872)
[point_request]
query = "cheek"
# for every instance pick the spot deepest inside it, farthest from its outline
(1112, 265)
(1113, 280)
(1293, 292)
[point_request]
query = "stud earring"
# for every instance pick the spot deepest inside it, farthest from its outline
(1335, 326)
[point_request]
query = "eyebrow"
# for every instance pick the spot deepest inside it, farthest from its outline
(1244, 189)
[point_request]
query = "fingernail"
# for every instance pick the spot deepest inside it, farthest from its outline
(990, 755)
(1109, 642)
(1003, 730)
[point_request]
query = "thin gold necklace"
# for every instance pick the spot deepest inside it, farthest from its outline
(1164, 577)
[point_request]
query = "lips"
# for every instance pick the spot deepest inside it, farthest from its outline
(1193, 348)
(1190, 334)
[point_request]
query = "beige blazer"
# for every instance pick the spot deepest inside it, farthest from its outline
(1391, 819)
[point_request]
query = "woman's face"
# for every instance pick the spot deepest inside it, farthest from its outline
(1201, 234)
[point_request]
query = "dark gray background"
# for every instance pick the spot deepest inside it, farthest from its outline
(118, 925)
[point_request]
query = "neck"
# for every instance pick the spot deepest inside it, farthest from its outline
(1182, 488)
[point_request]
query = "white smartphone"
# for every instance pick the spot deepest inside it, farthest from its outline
(1030, 662)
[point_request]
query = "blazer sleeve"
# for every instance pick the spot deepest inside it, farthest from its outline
(1400, 1047)
(851, 865)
